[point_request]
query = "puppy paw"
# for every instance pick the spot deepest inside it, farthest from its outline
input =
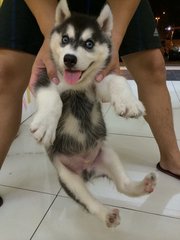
(149, 183)
(113, 218)
(43, 128)
(128, 107)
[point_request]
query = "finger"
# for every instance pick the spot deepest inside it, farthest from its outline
(103, 73)
(109, 69)
(33, 79)
(52, 72)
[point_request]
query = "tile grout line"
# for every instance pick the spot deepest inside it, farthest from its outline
(137, 136)
(29, 190)
(141, 211)
(129, 135)
(176, 92)
(132, 209)
(107, 110)
(45, 215)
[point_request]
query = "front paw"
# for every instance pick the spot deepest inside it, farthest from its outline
(43, 128)
(128, 107)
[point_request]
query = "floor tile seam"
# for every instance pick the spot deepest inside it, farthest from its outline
(30, 190)
(146, 212)
(167, 80)
(36, 229)
(176, 91)
(132, 209)
(25, 153)
(174, 66)
(130, 135)
(106, 112)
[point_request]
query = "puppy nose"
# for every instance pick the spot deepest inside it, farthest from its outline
(70, 60)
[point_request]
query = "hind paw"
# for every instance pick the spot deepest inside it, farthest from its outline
(150, 182)
(113, 218)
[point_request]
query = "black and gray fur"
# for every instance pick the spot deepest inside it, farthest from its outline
(78, 104)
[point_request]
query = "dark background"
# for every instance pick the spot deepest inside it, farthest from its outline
(171, 9)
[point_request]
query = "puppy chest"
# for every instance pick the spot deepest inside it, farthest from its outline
(80, 126)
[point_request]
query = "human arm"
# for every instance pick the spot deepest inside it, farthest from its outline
(44, 12)
(122, 11)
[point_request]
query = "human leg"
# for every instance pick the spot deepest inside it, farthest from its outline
(148, 70)
(15, 66)
(15, 70)
(17, 52)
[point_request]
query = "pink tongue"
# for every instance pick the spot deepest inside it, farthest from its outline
(72, 77)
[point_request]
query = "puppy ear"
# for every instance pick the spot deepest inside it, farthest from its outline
(62, 12)
(105, 20)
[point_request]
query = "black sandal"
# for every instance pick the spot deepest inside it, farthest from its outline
(1, 201)
(158, 166)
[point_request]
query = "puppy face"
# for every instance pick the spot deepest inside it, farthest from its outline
(79, 44)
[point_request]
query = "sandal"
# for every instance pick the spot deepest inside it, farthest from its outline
(1, 201)
(177, 176)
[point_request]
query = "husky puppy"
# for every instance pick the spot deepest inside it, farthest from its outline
(69, 121)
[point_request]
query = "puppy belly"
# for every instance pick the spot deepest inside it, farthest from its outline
(79, 162)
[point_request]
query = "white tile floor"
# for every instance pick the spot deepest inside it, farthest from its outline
(36, 208)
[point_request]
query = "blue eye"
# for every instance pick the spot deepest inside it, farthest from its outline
(89, 44)
(65, 40)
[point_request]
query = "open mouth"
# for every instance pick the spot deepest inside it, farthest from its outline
(72, 76)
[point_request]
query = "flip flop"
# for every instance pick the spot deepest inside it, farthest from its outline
(1, 201)
(158, 166)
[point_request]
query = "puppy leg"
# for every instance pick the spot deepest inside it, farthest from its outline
(76, 188)
(49, 109)
(116, 90)
(110, 165)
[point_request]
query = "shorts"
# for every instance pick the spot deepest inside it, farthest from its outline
(19, 29)
(142, 33)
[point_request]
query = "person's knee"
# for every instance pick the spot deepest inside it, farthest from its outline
(5, 72)
(147, 67)
(7, 75)
(156, 67)
(11, 78)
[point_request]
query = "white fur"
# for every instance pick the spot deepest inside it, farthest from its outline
(105, 20)
(62, 12)
(111, 166)
(115, 89)
(48, 113)
(86, 34)
(72, 128)
(71, 31)
(54, 46)
(78, 187)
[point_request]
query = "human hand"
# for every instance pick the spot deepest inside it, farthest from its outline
(112, 67)
(43, 61)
